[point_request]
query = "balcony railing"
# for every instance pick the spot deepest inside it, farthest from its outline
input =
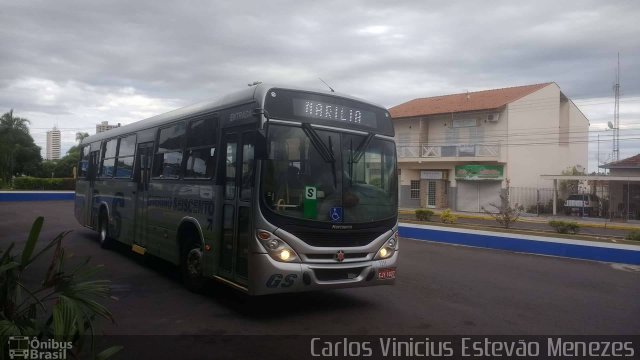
(448, 151)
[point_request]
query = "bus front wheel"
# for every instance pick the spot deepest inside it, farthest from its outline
(191, 266)
(103, 231)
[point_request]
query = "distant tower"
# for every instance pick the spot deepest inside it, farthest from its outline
(104, 126)
(53, 144)
(616, 116)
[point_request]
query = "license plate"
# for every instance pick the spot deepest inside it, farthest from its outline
(386, 274)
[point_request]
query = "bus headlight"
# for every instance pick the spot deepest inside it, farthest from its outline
(389, 248)
(276, 247)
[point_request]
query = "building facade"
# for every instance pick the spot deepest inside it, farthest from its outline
(53, 144)
(457, 151)
(624, 194)
(104, 126)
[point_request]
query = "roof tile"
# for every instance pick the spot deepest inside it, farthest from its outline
(630, 162)
(472, 101)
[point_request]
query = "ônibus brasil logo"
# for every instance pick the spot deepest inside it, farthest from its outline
(25, 347)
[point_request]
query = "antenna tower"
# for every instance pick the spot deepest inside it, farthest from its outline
(616, 116)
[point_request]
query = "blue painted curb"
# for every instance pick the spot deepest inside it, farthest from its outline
(36, 196)
(577, 249)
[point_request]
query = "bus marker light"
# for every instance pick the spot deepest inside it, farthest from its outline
(207, 247)
(138, 249)
(263, 235)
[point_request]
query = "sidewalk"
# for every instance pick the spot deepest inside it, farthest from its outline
(531, 222)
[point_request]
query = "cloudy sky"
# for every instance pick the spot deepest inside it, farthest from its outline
(77, 63)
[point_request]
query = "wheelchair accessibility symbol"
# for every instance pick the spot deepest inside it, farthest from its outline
(335, 214)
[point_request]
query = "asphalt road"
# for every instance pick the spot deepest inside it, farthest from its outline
(441, 289)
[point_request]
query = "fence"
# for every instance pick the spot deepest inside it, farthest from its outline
(530, 198)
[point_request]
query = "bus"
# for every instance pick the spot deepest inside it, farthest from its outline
(268, 190)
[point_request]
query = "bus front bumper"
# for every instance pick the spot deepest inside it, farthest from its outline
(272, 277)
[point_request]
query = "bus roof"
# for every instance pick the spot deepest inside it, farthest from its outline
(253, 93)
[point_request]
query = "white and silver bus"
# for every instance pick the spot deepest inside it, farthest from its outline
(268, 190)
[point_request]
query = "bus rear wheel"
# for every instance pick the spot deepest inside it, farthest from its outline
(103, 231)
(191, 267)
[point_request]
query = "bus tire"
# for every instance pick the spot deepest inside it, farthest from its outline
(103, 231)
(191, 266)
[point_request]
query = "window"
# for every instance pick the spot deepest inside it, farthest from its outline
(201, 148)
(168, 158)
(230, 168)
(124, 162)
(83, 169)
(108, 158)
(247, 165)
(415, 189)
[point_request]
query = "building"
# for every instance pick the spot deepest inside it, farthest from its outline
(456, 151)
(104, 126)
(53, 144)
(624, 194)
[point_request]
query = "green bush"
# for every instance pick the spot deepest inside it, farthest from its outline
(32, 183)
(424, 214)
(564, 227)
(447, 217)
(634, 235)
(64, 305)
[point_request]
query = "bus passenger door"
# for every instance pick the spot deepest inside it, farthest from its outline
(142, 176)
(238, 186)
(91, 213)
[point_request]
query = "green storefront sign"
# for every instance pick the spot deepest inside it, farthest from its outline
(479, 172)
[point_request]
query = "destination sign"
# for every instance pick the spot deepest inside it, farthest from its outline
(327, 111)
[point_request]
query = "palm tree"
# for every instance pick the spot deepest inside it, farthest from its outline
(81, 135)
(16, 123)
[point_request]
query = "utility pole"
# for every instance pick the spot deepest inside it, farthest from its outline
(616, 116)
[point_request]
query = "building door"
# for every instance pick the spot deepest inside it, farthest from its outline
(238, 157)
(141, 194)
(431, 194)
(473, 195)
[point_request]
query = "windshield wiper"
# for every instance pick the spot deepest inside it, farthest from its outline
(354, 159)
(325, 152)
(362, 147)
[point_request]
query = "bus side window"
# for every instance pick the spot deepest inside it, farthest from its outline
(83, 167)
(168, 158)
(124, 162)
(201, 148)
(108, 157)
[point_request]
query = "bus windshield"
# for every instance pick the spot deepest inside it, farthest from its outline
(329, 176)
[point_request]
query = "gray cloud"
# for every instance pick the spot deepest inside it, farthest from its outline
(69, 62)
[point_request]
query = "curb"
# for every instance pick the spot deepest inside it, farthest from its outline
(568, 248)
(36, 195)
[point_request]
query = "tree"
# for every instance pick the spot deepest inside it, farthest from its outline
(18, 152)
(81, 135)
(568, 187)
(17, 123)
(506, 214)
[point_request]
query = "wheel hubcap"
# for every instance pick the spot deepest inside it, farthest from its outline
(194, 261)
